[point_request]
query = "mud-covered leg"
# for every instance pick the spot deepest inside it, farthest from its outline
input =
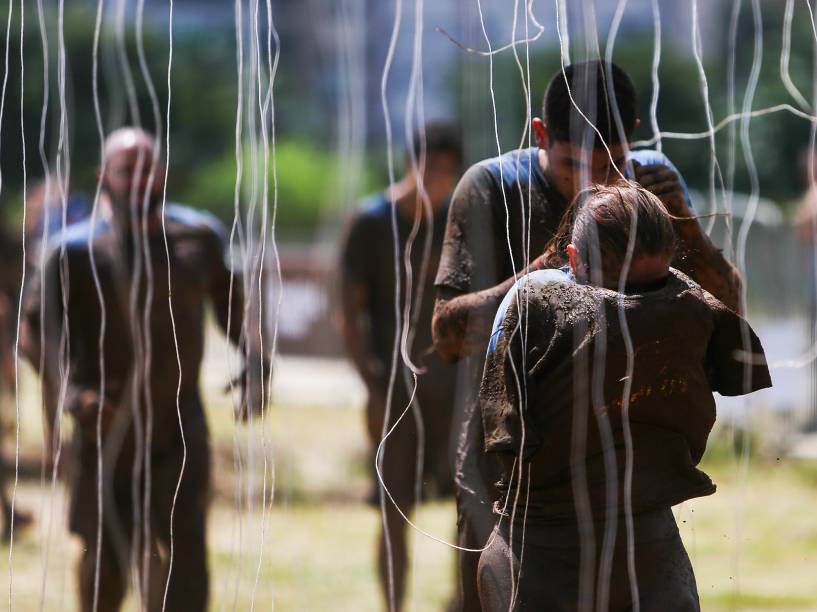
(188, 585)
(112, 579)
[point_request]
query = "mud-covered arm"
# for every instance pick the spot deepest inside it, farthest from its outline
(469, 288)
(499, 395)
(41, 336)
(227, 292)
(520, 324)
(41, 324)
(697, 256)
(356, 332)
(355, 301)
(241, 324)
(461, 324)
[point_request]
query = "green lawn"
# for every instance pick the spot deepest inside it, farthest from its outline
(753, 544)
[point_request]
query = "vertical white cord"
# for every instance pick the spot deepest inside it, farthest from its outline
(743, 236)
(19, 306)
(170, 308)
(398, 14)
(102, 307)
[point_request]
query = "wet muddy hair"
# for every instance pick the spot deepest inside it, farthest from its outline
(606, 213)
(598, 89)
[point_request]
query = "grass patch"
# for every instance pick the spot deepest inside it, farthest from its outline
(753, 544)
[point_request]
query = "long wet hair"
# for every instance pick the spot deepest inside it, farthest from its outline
(605, 213)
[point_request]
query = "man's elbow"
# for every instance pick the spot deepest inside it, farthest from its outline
(445, 343)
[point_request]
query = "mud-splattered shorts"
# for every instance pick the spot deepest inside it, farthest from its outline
(548, 568)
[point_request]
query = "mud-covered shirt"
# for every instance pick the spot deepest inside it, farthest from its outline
(556, 376)
(503, 214)
(141, 336)
(367, 259)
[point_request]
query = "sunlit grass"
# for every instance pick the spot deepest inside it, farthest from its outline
(753, 543)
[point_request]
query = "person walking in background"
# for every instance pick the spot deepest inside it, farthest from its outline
(370, 329)
(133, 392)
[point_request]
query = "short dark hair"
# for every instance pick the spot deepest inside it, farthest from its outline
(606, 212)
(440, 137)
(597, 95)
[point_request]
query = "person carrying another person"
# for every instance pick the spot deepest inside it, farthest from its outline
(563, 406)
(369, 325)
(129, 364)
(503, 214)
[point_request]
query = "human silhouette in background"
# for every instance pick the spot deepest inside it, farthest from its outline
(369, 325)
(138, 392)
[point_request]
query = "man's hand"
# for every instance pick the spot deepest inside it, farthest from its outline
(86, 411)
(696, 256)
(253, 381)
(664, 182)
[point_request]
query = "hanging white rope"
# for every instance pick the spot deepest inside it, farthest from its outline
(526, 208)
(415, 119)
(147, 468)
(656, 84)
(785, 55)
(136, 381)
(63, 172)
(237, 549)
(170, 308)
(102, 309)
(45, 220)
(398, 14)
(629, 454)
(268, 137)
(743, 236)
(19, 304)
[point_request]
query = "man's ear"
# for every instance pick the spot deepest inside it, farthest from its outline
(540, 132)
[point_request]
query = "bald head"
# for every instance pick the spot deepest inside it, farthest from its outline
(131, 177)
(129, 138)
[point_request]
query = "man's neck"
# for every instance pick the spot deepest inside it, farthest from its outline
(404, 195)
